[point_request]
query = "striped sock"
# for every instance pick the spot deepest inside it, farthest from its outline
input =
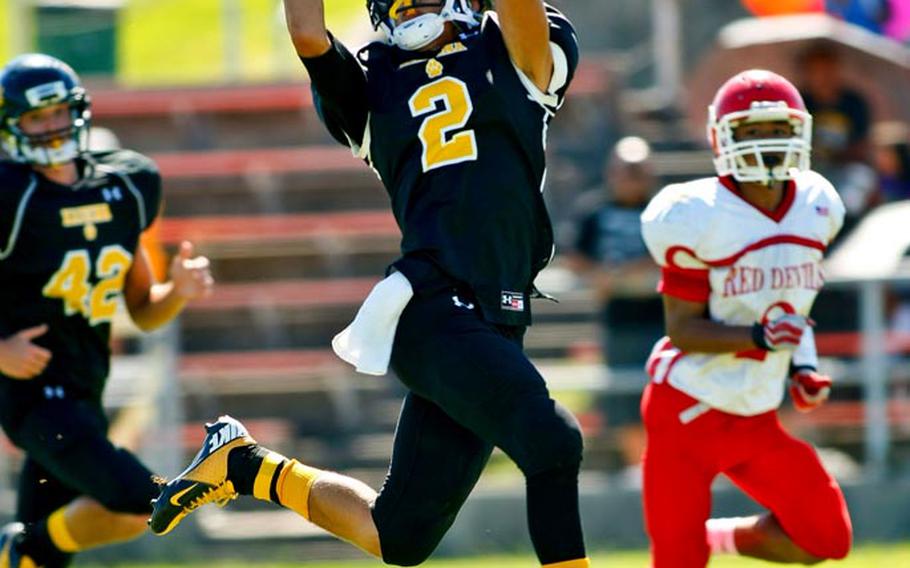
(270, 476)
(60, 534)
(292, 483)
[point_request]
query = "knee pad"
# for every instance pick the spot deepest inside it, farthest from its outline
(828, 533)
(410, 543)
(833, 543)
(551, 439)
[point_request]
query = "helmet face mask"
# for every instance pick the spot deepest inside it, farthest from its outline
(763, 160)
(34, 82)
(759, 97)
(419, 32)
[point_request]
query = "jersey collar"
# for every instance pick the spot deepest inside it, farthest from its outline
(776, 215)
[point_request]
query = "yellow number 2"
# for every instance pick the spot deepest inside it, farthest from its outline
(112, 266)
(71, 283)
(439, 148)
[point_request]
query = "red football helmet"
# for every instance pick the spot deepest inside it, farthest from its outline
(759, 96)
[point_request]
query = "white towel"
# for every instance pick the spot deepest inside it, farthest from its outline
(367, 342)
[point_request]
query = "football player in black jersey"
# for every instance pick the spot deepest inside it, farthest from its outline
(70, 222)
(452, 113)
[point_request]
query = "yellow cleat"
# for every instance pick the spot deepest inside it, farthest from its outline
(204, 480)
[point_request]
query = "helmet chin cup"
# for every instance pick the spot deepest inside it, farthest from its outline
(47, 149)
(50, 156)
(419, 32)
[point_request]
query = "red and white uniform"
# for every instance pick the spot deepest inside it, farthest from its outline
(749, 266)
(708, 414)
(713, 413)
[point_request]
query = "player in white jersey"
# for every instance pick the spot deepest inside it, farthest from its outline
(741, 260)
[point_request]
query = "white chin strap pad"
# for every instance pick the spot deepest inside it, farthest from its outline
(47, 156)
(419, 32)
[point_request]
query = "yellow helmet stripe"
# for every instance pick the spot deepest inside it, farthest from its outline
(396, 6)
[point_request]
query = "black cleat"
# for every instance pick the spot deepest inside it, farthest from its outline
(204, 480)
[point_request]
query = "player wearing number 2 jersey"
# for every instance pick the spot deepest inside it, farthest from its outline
(70, 222)
(741, 258)
(452, 113)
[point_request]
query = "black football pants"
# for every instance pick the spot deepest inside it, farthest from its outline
(473, 389)
(68, 455)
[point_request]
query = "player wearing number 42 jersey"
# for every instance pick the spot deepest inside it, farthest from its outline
(741, 258)
(451, 112)
(70, 224)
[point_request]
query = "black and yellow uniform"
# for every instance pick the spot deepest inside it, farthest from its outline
(66, 251)
(458, 137)
(64, 254)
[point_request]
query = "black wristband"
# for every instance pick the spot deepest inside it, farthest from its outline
(758, 337)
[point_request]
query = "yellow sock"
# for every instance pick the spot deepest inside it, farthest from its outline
(60, 533)
(286, 482)
(294, 486)
(580, 563)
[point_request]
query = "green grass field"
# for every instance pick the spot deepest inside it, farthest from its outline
(879, 556)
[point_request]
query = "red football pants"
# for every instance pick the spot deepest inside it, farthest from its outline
(777, 470)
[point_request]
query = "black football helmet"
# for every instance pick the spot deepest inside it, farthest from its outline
(34, 81)
(421, 31)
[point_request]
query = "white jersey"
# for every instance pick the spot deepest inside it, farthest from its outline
(748, 266)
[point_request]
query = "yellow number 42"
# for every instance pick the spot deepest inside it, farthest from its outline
(71, 283)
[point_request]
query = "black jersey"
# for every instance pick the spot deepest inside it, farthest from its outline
(64, 254)
(458, 137)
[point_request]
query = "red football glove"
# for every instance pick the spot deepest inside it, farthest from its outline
(809, 389)
(782, 334)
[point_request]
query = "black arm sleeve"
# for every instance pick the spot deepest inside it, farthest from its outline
(339, 93)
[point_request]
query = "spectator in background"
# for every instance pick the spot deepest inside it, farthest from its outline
(892, 161)
(841, 115)
(610, 253)
(841, 125)
(892, 164)
(586, 129)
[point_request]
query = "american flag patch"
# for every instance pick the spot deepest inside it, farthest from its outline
(513, 301)
(821, 210)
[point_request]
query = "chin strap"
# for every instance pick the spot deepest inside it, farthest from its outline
(418, 33)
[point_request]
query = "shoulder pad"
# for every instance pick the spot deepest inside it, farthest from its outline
(125, 162)
(142, 177)
(673, 223)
